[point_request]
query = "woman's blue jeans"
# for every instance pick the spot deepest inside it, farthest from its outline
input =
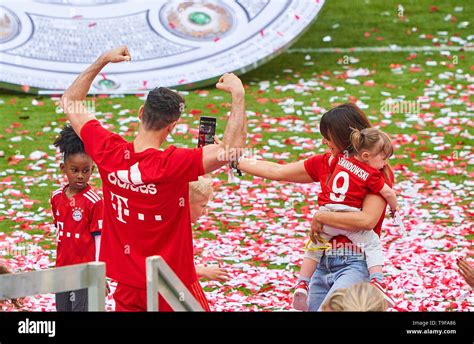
(336, 271)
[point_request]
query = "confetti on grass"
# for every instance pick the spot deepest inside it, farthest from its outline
(257, 229)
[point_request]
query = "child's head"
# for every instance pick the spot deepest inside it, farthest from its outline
(76, 165)
(372, 146)
(335, 302)
(362, 297)
(200, 193)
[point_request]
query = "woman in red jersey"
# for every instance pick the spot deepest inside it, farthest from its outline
(344, 264)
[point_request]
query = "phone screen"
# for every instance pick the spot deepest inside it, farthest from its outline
(207, 131)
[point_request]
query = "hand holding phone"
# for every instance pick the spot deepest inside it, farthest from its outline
(207, 131)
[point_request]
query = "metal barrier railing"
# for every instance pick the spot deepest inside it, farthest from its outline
(67, 278)
(161, 279)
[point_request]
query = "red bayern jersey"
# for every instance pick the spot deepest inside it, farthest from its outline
(146, 210)
(320, 168)
(77, 219)
(351, 180)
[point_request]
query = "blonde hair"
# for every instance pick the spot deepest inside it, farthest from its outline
(373, 140)
(335, 302)
(362, 297)
(200, 188)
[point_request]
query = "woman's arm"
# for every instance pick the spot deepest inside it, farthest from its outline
(366, 219)
(294, 172)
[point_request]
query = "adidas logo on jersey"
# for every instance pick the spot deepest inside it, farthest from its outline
(145, 189)
(131, 180)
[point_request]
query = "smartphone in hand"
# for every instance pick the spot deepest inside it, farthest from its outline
(207, 131)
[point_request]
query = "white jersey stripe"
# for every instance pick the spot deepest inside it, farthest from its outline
(95, 194)
(89, 193)
(135, 175)
(90, 199)
(123, 176)
(57, 192)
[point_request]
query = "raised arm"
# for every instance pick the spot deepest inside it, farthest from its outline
(235, 134)
(294, 172)
(372, 210)
(73, 97)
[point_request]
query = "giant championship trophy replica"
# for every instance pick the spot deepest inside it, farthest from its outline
(45, 44)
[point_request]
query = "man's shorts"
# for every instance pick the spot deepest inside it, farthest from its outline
(131, 299)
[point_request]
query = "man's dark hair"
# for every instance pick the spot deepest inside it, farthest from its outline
(69, 143)
(162, 107)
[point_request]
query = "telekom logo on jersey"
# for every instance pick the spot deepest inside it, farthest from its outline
(121, 207)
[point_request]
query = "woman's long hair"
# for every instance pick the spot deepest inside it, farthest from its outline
(337, 125)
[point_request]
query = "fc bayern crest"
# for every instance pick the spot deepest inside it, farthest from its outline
(77, 214)
(45, 44)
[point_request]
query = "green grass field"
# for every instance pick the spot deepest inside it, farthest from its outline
(438, 138)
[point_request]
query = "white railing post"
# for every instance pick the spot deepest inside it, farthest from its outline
(152, 284)
(58, 280)
(162, 279)
(96, 291)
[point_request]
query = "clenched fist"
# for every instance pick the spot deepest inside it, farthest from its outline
(230, 83)
(120, 54)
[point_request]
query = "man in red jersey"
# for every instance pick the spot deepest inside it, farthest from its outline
(146, 190)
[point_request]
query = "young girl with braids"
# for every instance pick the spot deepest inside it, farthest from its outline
(77, 211)
(352, 178)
